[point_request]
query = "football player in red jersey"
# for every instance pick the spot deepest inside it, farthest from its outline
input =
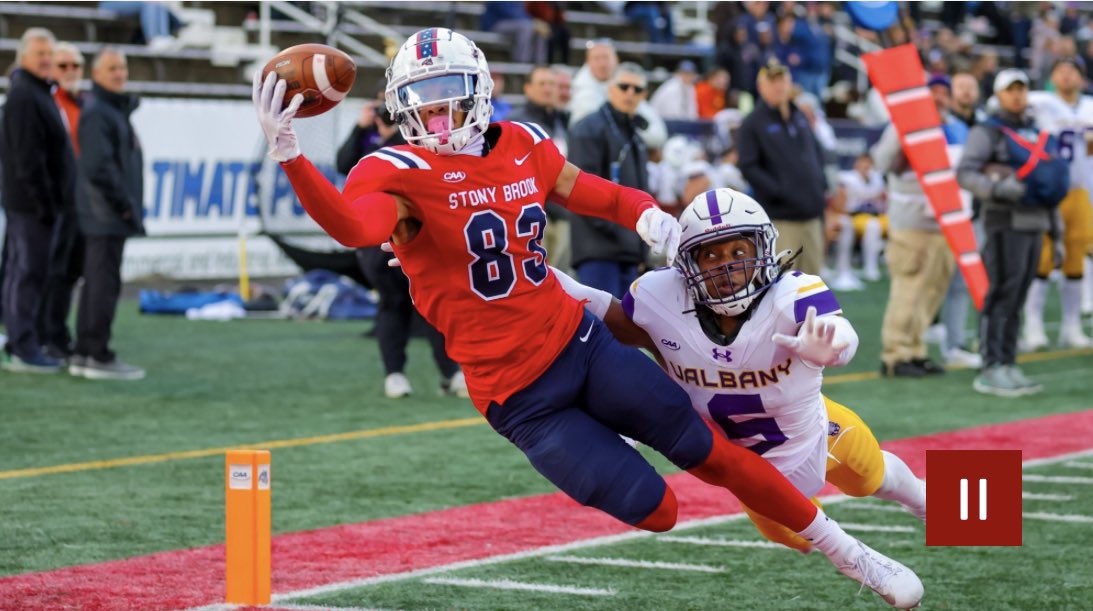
(462, 204)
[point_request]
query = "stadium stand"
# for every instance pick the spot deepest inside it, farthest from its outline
(220, 42)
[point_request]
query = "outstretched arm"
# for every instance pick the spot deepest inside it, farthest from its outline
(586, 193)
(608, 309)
(355, 218)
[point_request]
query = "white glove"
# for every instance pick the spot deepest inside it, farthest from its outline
(393, 261)
(815, 341)
(660, 231)
(269, 97)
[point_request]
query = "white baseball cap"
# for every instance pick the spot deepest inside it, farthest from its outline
(1008, 77)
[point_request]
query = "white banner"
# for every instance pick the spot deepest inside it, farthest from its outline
(207, 180)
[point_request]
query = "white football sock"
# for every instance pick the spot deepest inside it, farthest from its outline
(901, 485)
(1071, 296)
(872, 243)
(827, 536)
(1087, 286)
(1034, 303)
(844, 246)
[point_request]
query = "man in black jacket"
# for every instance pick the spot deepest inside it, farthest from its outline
(606, 143)
(782, 161)
(38, 183)
(110, 208)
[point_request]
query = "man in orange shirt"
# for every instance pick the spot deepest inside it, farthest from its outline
(710, 93)
(68, 72)
(66, 248)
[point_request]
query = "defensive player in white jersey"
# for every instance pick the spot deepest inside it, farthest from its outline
(1068, 115)
(749, 340)
(864, 193)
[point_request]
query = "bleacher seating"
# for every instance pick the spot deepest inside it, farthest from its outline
(221, 47)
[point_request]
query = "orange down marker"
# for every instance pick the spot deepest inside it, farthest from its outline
(247, 526)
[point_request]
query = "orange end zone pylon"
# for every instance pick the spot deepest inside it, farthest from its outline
(898, 75)
(247, 526)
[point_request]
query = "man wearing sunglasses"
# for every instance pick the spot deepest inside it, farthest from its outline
(66, 250)
(606, 143)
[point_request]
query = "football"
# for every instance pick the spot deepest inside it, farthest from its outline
(324, 75)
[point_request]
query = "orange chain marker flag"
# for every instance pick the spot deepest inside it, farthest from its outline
(898, 75)
(247, 526)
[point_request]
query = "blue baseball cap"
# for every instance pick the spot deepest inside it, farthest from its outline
(940, 79)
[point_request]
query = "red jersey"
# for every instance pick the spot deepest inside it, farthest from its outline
(477, 268)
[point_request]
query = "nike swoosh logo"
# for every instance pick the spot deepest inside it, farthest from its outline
(584, 338)
(521, 160)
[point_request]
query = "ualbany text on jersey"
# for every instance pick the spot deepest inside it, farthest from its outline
(730, 379)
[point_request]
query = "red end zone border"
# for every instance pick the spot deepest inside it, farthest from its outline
(304, 560)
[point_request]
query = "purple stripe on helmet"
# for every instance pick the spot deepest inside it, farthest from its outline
(628, 304)
(824, 302)
(715, 210)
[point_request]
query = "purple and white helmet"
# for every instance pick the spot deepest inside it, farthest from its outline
(716, 216)
(434, 66)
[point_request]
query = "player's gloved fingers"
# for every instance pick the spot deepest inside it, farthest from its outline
(809, 325)
(394, 262)
(386, 247)
(267, 91)
(277, 102)
(839, 347)
(256, 90)
(293, 106)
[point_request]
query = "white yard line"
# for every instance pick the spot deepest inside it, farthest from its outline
(879, 528)
(876, 507)
(639, 564)
(505, 584)
(1056, 517)
(721, 542)
(1059, 479)
(1073, 464)
(1033, 496)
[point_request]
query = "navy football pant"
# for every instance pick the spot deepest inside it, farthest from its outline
(568, 423)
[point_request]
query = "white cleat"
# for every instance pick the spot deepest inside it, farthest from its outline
(896, 584)
(935, 334)
(396, 386)
(1073, 337)
(1033, 338)
(456, 386)
(846, 281)
(959, 357)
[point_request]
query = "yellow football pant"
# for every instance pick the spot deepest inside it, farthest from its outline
(861, 219)
(855, 466)
(1077, 216)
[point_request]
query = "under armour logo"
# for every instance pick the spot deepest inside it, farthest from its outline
(726, 356)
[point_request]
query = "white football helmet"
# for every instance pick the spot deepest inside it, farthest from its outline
(435, 66)
(716, 216)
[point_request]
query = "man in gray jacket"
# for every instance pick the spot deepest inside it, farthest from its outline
(1014, 221)
(110, 209)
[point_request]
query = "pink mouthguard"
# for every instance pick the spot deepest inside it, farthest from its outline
(441, 127)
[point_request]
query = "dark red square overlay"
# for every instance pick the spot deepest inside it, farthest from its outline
(958, 513)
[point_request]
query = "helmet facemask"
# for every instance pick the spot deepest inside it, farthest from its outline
(728, 289)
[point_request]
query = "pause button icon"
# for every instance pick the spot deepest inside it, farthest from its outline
(964, 499)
